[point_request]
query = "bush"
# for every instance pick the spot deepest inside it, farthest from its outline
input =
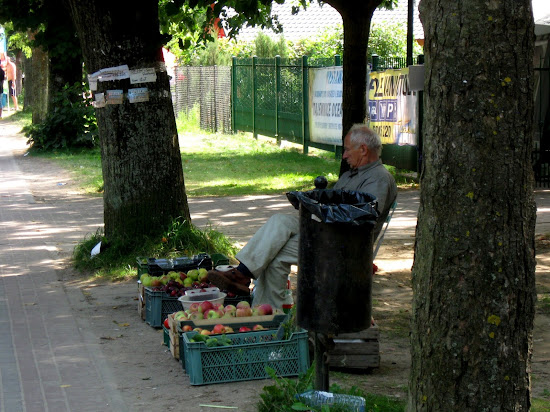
(71, 122)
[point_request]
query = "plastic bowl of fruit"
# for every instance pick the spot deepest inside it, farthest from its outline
(187, 301)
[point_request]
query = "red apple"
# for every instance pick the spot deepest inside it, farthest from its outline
(204, 306)
(166, 323)
(187, 328)
(243, 304)
(244, 329)
(229, 308)
(194, 307)
(218, 306)
(219, 328)
(241, 312)
(265, 309)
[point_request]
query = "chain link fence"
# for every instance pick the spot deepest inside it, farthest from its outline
(206, 89)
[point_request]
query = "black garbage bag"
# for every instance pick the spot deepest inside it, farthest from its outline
(337, 205)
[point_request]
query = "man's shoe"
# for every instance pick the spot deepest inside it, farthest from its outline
(230, 280)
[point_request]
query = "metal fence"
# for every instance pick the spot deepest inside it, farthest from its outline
(206, 89)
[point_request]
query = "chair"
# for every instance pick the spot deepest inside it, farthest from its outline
(386, 223)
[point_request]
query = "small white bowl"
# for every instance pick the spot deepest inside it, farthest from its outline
(186, 303)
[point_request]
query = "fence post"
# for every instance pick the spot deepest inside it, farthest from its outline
(277, 92)
(375, 62)
(305, 105)
(233, 94)
(254, 62)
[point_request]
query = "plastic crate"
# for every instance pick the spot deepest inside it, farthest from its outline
(247, 359)
(158, 305)
(159, 267)
(219, 259)
(166, 335)
(142, 268)
(314, 398)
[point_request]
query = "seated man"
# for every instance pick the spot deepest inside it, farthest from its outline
(267, 257)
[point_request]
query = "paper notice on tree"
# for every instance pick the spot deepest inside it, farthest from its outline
(138, 95)
(145, 75)
(99, 100)
(92, 81)
(114, 97)
(114, 73)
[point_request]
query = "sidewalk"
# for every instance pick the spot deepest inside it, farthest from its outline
(52, 360)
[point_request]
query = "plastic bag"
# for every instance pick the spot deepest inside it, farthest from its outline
(337, 205)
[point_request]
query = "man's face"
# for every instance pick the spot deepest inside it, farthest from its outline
(353, 153)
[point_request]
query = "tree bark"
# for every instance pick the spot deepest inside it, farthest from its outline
(141, 161)
(356, 19)
(473, 273)
(36, 85)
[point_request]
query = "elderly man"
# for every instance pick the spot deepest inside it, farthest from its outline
(268, 256)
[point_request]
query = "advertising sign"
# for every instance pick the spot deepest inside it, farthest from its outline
(392, 107)
(325, 108)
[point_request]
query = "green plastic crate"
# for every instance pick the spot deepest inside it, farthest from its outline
(141, 263)
(219, 259)
(158, 305)
(247, 359)
(166, 336)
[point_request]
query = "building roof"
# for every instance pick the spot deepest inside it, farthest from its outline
(316, 18)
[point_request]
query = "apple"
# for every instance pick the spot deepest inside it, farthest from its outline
(206, 332)
(205, 305)
(258, 327)
(203, 274)
(212, 314)
(155, 282)
(181, 315)
(230, 314)
(244, 329)
(265, 309)
(219, 328)
(183, 276)
(230, 308)
(219, 306)
(243, 304)
(193, 274)
(194, 307)
(166, 323)
(196, 316)
(187, 282)
(165, 279)
(228, 329)
(187, 328)
(241, 312)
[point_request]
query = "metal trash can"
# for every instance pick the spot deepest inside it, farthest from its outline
(335, 260)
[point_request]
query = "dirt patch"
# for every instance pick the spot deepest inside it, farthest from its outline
(131, 354)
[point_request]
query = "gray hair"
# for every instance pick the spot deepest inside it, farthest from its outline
(362, 134)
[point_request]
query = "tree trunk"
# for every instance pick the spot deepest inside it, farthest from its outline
(141, 161)
(356, 19)
(473, 273)
(36, 85)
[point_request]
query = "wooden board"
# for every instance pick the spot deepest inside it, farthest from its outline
(360, 350)
(141, 301)
(174, 337)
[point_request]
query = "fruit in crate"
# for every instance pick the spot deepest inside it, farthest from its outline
(219, 328)
(243, 304)
(203, 275)
(242, 312)
(193, 274)
(265, 309)
(166, 323)
(230, 309)
(258, 327)
(187, 328)
(244, 329)
(205, 305)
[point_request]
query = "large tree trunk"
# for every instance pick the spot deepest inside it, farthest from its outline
(356, 19)
(473, 273)
(36, 85)
(141, 161)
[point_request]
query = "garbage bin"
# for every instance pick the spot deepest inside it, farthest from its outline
(335, 260)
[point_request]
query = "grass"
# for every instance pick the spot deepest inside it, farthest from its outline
(225, 165)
